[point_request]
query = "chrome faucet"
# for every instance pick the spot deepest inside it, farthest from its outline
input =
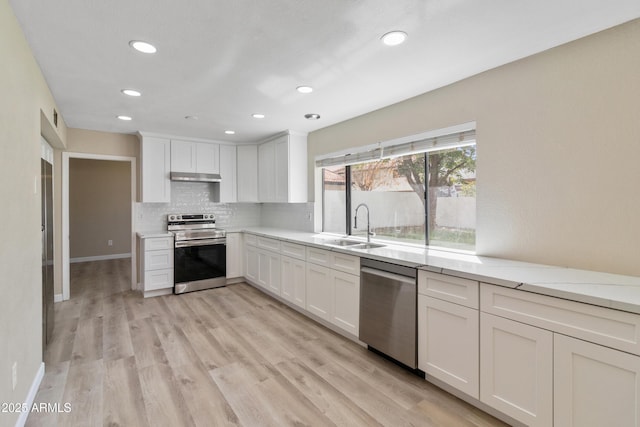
(355, 221)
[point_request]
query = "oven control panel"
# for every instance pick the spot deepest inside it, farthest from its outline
(191, 217)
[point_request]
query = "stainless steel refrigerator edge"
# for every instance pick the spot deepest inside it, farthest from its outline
(46, 189)
(388, 297)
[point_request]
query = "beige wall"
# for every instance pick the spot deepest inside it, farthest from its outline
(85, 142)
(558, 147)
(99, 208)
(24, 96)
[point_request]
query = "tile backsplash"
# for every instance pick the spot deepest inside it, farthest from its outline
(290, 216)
(198, 197)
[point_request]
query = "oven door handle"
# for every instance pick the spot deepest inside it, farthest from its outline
(199, 242)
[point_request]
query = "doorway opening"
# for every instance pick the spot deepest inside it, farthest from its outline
(100, 230)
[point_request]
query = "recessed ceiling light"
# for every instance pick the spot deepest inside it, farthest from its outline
(394, 38)
(304, 89)
(131, 92)
(312, 116)
(191, 117)
(125, 118)
(143, 47)
(230, 132)
(257, 116)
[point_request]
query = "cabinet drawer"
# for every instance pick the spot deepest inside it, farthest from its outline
(318, 256)
(453, 289)
(346, 263)
(158, 260)
(251, 239)
(158, 243)
(292, 250)
(269, 244)
(612, 328)
(158, 279)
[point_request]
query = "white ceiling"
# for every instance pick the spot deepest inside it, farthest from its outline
(222, 60)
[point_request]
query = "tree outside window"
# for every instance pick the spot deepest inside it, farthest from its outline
(402, 207)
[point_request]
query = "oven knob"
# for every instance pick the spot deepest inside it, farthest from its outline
(206, 216)
(172, 217)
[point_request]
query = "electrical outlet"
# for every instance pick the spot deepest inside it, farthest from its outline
(110, 243)
(14, 374)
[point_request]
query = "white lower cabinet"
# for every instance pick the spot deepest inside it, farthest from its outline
(594, 385)
(251, 263)
(235, 255)
(334, 296)
(516, 370)
(448, 347)
(293, 279)
(346, 302)
(156, 265)
(269, 270)
(319, 291)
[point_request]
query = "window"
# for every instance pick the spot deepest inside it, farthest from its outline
(422, 198)
(334, 200)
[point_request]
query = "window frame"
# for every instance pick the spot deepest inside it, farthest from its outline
(366, 151)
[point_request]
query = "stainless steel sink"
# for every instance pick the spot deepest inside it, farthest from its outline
(343, 242)
(368, 246)
(353, 244)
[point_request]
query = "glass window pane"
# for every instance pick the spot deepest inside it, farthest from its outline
(393, 190)
(452, 198)
(334, 206)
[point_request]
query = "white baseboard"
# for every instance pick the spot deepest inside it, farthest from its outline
(31, 396)
(99, 258)
(57, 298)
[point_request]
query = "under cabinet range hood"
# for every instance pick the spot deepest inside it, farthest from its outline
(195, 177)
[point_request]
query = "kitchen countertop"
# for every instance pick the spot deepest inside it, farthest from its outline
(603, 289)
(153, 233)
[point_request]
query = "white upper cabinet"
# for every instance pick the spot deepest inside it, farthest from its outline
(197, 157)
(282, 169)
(228, 186)
(247, 173)
(267, 172)
(155, 167)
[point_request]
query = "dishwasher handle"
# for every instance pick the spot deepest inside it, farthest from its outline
(396, 278)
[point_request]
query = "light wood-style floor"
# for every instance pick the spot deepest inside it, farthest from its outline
(226, 356)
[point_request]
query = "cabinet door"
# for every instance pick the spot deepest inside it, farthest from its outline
(293, 280)
(346, 302)
(156, 164)
(235, 258)
(252, 264)
(319, 291)
(207, 157)
(274, 272)
(228, 187)
(183, 156)
(266, 172)
(594, 385)
(516, 369)
(281, 170)
(448, 343)
(264, 269)
(247, 173)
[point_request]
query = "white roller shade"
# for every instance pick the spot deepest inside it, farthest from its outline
(457, 136)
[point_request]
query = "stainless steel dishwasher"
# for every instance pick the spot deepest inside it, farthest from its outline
(388, 299)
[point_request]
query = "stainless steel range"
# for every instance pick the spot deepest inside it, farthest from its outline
(200, 253)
